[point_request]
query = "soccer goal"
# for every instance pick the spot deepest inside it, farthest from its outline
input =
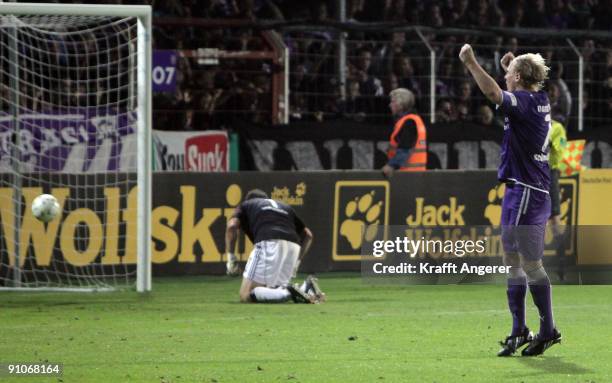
(75, 122)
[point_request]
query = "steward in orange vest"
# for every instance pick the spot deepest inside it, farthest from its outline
(408, 142)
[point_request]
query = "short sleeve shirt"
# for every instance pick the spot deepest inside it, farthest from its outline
(263, 219)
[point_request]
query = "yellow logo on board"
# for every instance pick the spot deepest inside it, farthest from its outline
(360, 209)
(368, 218)
(494, 209)
(284, 195)
(432, 215)
(567, 188)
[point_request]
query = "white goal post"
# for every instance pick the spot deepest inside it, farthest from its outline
(75, 122)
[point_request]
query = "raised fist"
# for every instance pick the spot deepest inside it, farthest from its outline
(506, 60)
(466, 55)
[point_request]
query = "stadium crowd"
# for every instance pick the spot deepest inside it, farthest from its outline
(213, 96)
(378, 62)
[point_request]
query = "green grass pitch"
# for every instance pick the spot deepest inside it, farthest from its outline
(192, 330)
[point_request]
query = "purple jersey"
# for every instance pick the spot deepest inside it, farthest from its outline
(526, 142)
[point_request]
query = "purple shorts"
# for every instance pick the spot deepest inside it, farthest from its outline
(524, 215)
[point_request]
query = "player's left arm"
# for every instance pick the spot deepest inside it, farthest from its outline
(407, 141)
(307, 238)
(485, 82)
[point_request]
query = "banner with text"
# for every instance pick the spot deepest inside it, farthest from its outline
(205, 151)
(164, 70)
(72, 141)
(359, 146)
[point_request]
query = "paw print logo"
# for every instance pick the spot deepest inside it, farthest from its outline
(300, 189)
(361, 208)
(493, 210)
(362, 219)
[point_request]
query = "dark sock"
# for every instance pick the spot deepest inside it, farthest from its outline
(542, 297)
(517, 290)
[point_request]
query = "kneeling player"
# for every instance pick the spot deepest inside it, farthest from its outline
(281, 240)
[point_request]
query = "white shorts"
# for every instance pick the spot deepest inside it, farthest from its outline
(271, 262)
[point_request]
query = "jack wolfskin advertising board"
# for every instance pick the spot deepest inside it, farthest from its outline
(190, 212)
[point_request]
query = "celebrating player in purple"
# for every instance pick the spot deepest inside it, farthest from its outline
(526, 204)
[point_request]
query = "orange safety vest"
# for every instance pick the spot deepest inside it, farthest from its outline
(417, 161)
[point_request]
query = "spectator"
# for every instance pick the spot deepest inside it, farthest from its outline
(463, 111)
(537, 17)
(444, 80)
(434, 16)
(399, 61)
(368, 84)
(517, 17)
(319, 12)
(394, 10)
(297, 107)
(404, 70)
(602, 14)
(386, 54)
(459, 13)
(580, 14)
(445, 111)
(464, 97)
(354, 107)
(486, 118)
(562, 104)
(188, 121)
(332, 102)
(512, 45)
(391, 82)
(354, 10)
(557, 15)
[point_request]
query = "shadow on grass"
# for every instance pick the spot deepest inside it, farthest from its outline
(554, 365)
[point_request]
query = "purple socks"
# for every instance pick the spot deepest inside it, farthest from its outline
(542, 297)
(517, 291)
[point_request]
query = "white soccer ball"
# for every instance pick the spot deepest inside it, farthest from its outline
(45, 207)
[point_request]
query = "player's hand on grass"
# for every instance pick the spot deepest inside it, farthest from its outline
(466, 55)
(506, 60)
(231, 266)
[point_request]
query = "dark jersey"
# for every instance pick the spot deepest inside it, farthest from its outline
(526, 141)
(263, 219)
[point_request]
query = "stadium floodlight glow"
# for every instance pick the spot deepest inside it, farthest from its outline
(75, 122)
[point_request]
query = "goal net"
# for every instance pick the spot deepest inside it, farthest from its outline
(75, 123)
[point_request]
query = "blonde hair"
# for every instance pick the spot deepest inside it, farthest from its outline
(532, 69)
(404, 98)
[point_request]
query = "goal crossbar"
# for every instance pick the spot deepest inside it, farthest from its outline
(142, 12)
